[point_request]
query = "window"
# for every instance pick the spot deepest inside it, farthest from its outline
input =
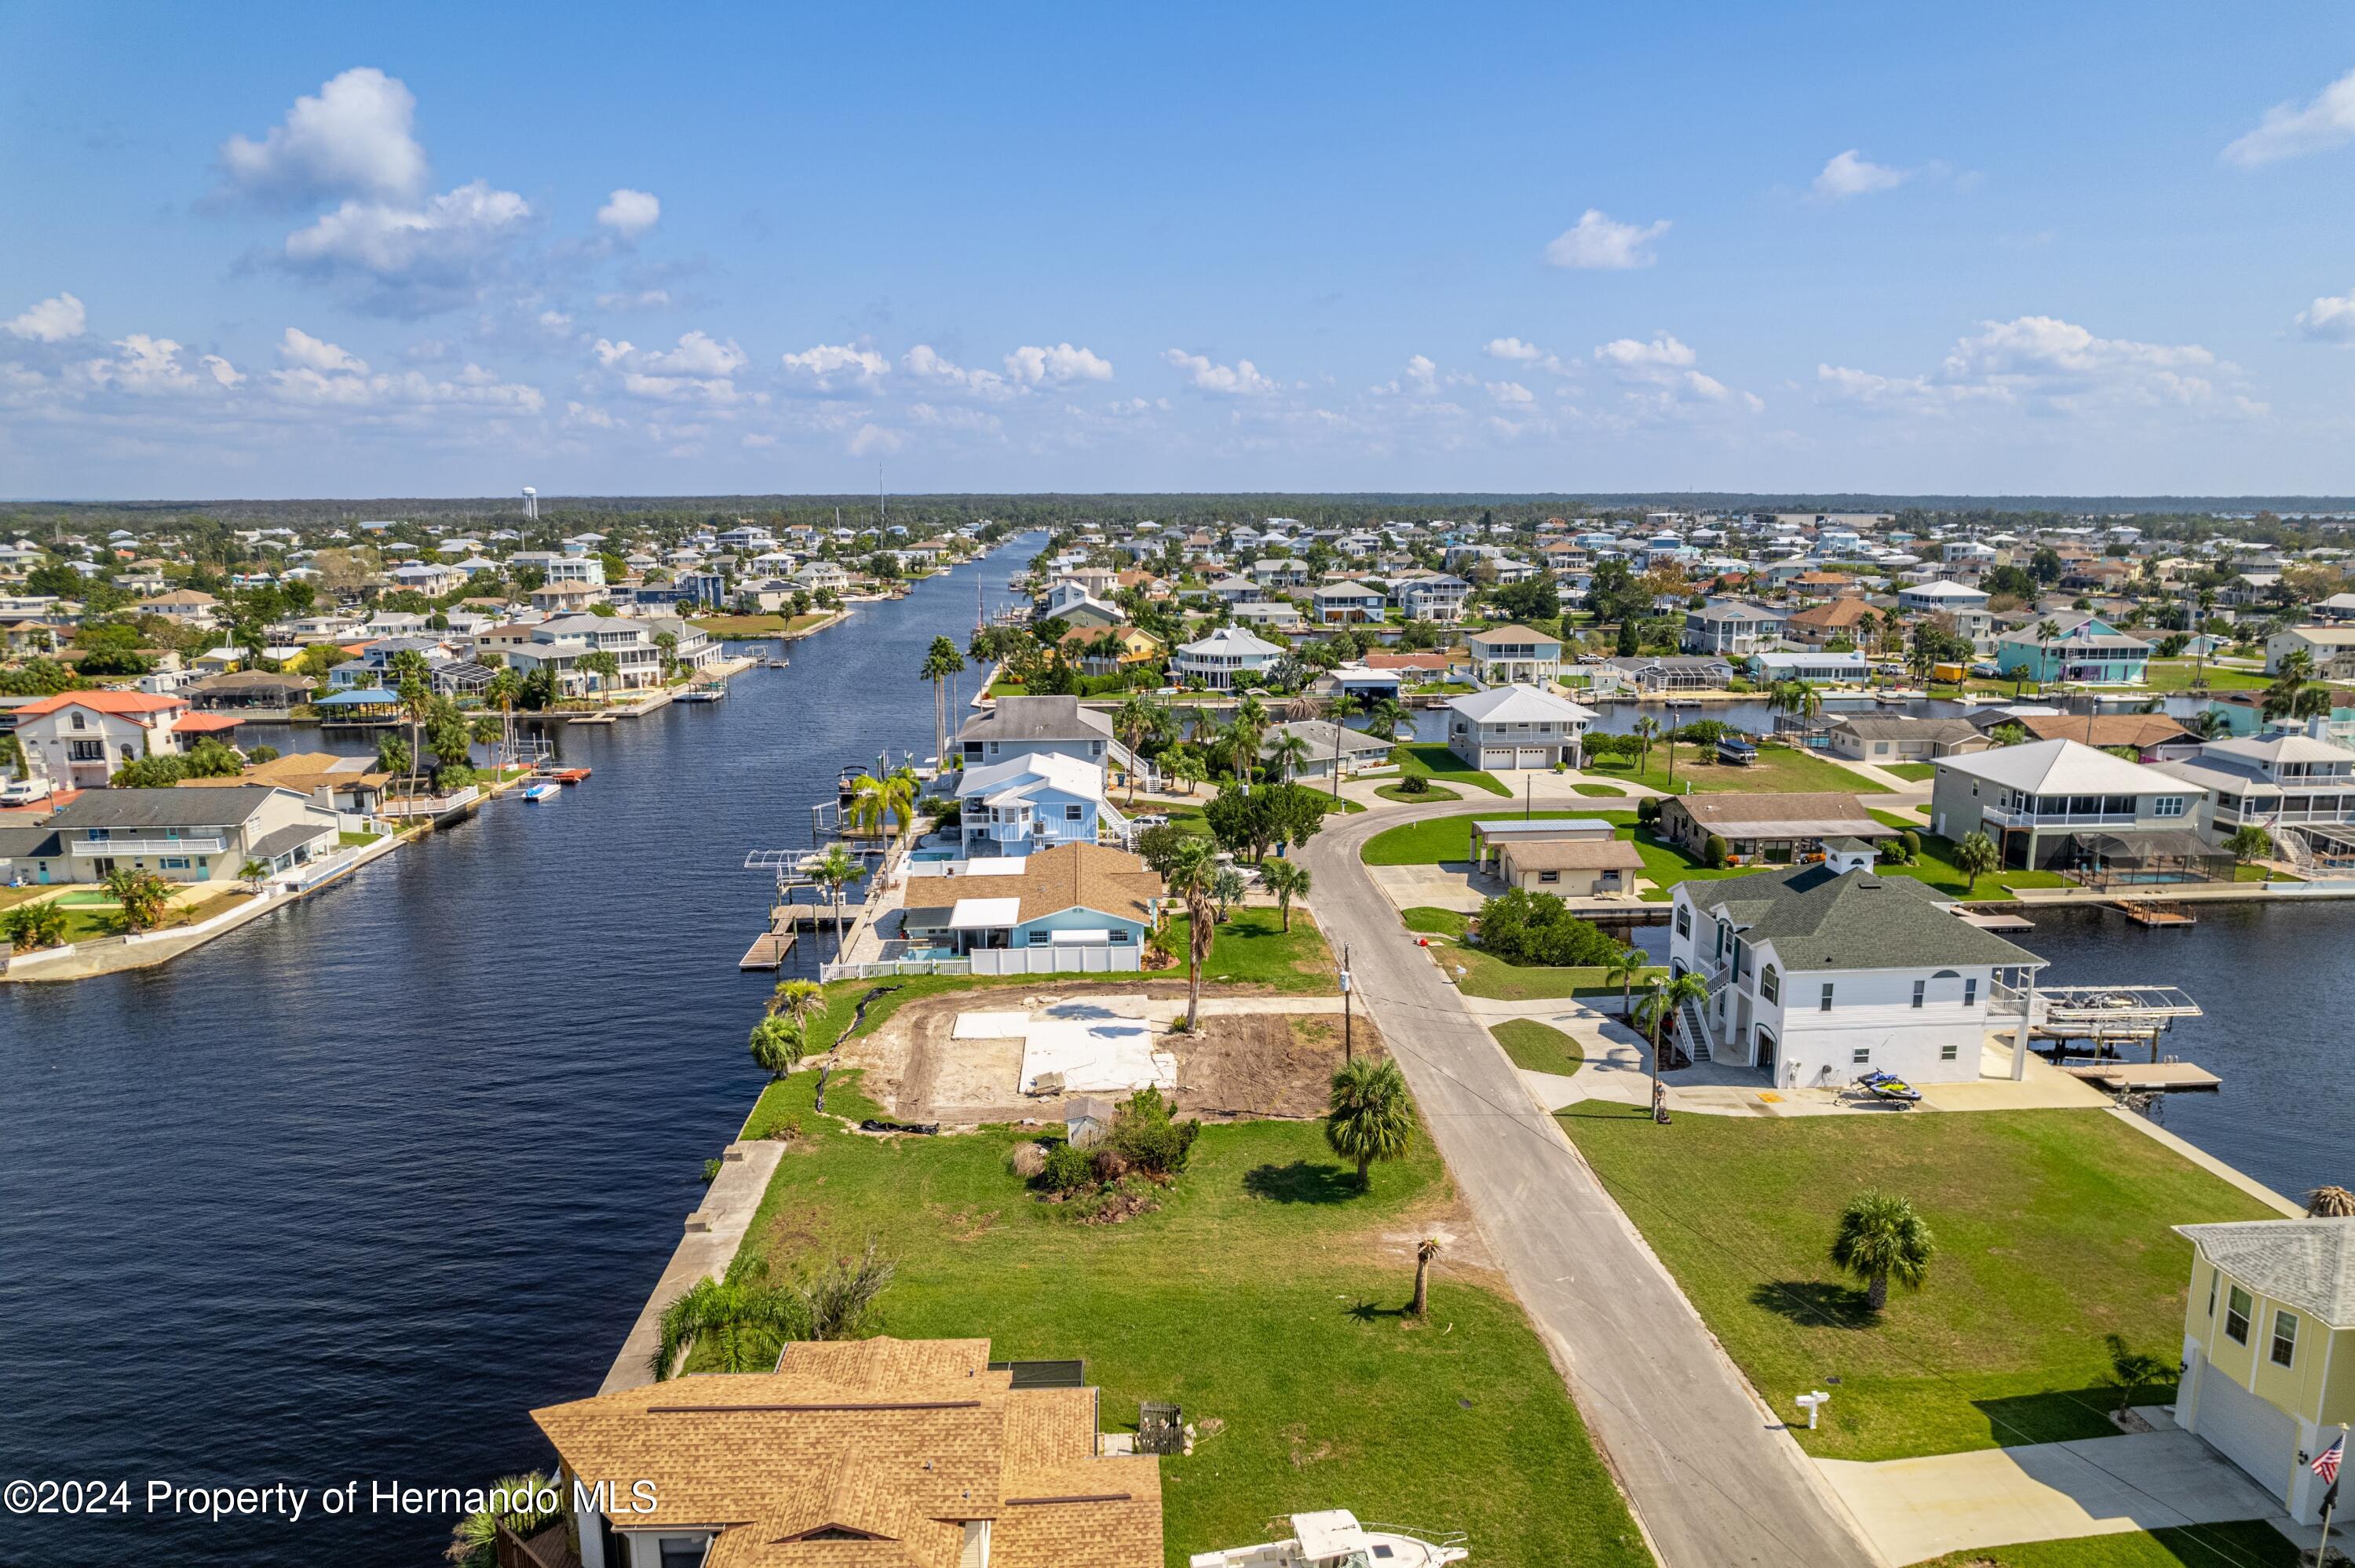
(1826, 1004)
(2236, 1316)
(1947, 1052)
(1921, 989)
(1122, 936)
(683, 1551)
(79, 722)
(1770, 984)
(1040, 939)
(86, 751)
(1684, 921)
(2284, 1349)
(1861, 1055)
(1549, 876)
(1970, 991)
(2168, 806)
(1071, 813)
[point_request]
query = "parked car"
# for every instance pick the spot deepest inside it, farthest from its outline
(24, 791)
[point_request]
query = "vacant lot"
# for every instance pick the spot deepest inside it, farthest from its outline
(1476, 973)
(1437, 762)
(2053, 1230)
(1262, 1296)
(1780, 770)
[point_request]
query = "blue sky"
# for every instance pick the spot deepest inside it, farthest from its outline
(461, 249)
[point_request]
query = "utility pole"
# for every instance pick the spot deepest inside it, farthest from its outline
(1348, 1044)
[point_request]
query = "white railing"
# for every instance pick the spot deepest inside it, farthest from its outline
(834, 971)
(429, 805)
(94, 847)
(2064, 818)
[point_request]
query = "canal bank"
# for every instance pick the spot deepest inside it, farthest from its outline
(350, 1190)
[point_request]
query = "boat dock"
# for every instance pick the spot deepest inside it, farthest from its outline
(768, 950)
(2136, 1077)
(2149, 912)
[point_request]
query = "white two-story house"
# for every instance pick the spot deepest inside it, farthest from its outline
(2286, 784)
(1016, 727)
(2060, 805)
(1820, 973)
(1217, 659)
(1435, 596)
(1034, 802)
(1515, 653)
(1517, 726)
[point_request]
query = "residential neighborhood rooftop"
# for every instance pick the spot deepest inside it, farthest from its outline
(2307, 1264)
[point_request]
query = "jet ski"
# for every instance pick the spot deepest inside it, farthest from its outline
(1889, 1086)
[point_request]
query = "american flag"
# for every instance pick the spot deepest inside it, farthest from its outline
(2327, 1463)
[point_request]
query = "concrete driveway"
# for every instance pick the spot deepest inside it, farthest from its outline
(1919, 1509)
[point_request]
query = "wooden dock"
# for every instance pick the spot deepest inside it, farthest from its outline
(2120, 1078)
(2143, 912)
(768, 950)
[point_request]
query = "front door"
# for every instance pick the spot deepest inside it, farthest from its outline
(106, 866)
(1766, 1050)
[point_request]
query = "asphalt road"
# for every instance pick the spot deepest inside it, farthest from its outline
(1711, 1476)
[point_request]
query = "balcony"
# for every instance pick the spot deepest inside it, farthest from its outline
(2064, 818)
(91, 849)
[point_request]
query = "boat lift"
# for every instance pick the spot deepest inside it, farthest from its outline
(2106, 1014)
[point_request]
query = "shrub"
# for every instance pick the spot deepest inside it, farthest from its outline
(1145, 1134)
(785, 1129)
(1648, 810)
(1715, 853)
(1414, 784)
(1107, 1164)
(1066, 1168)
(1524, 927)
(1911, 842)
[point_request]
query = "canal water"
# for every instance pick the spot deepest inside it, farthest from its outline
(344, 1194)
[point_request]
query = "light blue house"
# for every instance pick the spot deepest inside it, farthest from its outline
(1038, 800)
(2083, 649)
(1074, 908)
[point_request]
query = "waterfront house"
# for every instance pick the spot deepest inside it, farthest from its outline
(1330, 747)
(1820, 625)
(1279, 572)
(1075, 907)
(1901, 738)
(912, 1453)
(1019, 724)
(2155, 737)
(1069, 602)
(1517, 726)
(2083, 648)
(77, 739)
(1345, 603)
(1766, 827)
(1731, 627)
(1671, 671)
(1108, 650)
(1819, 974)
(245, 691)
(1967, 607)
(565, 598)
(352, 787)
(2332, 649)
(2269, 1349)
(189, 835)
(1431, 595)
(1034, 802)
(559, 645)
(1569, 857)
(2060, 805)
(1515, 654)
(2292, 786)
(1225, 657)
(1815, 667)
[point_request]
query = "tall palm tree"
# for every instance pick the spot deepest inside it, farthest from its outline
(1643, 729)
(744, 1322)
(1250, 724)
(1339, 710)
(834, 871)
(1193, 876)
(1627, 967)
(1880, 1238)
(1659, 1008)
(1289, 752)
(1370, 1117)
(413, 679)
(877, 804)
(941, 661)
(1383, 717)
(1287, 879)
(1138, 716)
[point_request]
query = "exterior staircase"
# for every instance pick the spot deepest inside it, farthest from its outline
(1693, 1025)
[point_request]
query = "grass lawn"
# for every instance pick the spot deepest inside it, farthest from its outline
(2176, 675)
(1429, 792)
(1539, 1047)
(89, 921)
(1436, 762)
(2243, 1543)
(357, 841)
(1486, 975)
(740, 627)
(1253, 948)
(1935, 865)
(1262, 1296)
(1611, 791)
(1917, 771)
(1780, 770)
(2052, 1228)
(1449, 838)
(1008, 688)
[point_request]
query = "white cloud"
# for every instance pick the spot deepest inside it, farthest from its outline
(146, 365)
(701, 367)
(827, 363)
(298, 348)
(1242, 379)
(1847, 174)
(1513, 348)
(630, 213)
(2053, 363)
(871, 440)
(2047, 349)
(419, 258)
(699, 353)
(1600, 242)
(223, 373)
(1055, 366)
(1510, 392)
(2330, 318)
(972, 421)
(927, 363)
(1628, 353)
(54, 320)
(2289, 130)
(354, 138)
(1661, 375)
(640, 300)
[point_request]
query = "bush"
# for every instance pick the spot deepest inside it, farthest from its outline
(1066, 1168)
(1147, 1137)
(1715, 853)
(1523, 927)
(1647, 812)
(1912, 842)
(1107, 1164)
(1414, 784)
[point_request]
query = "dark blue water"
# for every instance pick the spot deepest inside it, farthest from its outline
(346, 1193)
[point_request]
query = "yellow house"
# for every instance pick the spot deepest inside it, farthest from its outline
(2269, 1347)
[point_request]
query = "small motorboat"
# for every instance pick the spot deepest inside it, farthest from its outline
(541, 789)
(1889, 1086)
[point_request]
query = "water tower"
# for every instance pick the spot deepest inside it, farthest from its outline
(531, 503)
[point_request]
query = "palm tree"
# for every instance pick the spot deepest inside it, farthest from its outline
(800, 999)
(1661, 1004)
(40, 925)
(413, 680)
(143, 895)
(1369, 1117)
(2248, 842)
(742, 1320)
(1424, 1251)
(834, 871)
(874, 803)
(1881, 1237)
(1976, 854)
(1187, 768)
(253, 874)
(475, 1538)
(1626, 966)
(2134, 1369)
(1287, 880)
(2330, 1204)
(777, 1043)
(1193, 874)
(1227, 888)
(1383, 717)
(941, 661)
(1342, 708)
(1138, 717)
(1643, 729)
(1289, 752)
(1250, 724)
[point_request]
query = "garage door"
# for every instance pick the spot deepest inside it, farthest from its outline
(1536, 757)
(1496, 759)
(2253, 1435)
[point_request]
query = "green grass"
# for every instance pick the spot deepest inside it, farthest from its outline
(2176, 675)
(1935, 865)
(1917, 771)
(1438, 763)
(1429, 792)
(1253, 948)
(1539, 1047)
(1430, 922)
(1443, 839)
(1262, 1296)
(1601, 790)
(1780, 770)
(2053, 1230)
(1008, 688)
(1486, 975)
(2242, 1544)
(357, 841)
(740, 627)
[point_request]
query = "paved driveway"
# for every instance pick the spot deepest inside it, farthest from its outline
(1713, 1478)
(1918, 1509)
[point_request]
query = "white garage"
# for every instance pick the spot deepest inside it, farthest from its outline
(2253, 1433)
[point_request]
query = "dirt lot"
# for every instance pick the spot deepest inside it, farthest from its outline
(1243, 1064)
